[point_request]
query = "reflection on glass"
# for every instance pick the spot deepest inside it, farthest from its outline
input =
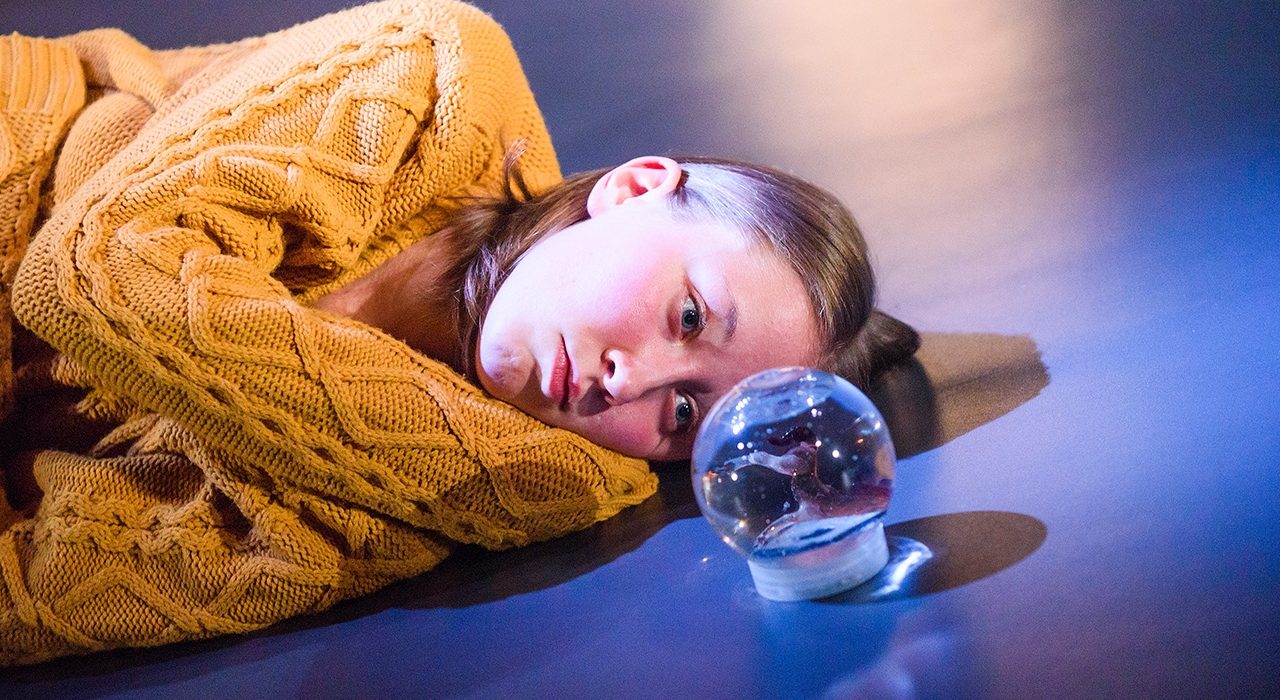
(794, 468)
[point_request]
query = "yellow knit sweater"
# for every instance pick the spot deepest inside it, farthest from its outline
(270, 459)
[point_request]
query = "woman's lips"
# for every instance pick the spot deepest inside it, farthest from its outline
(559, 391)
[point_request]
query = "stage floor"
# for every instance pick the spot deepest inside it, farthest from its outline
(1078, 204)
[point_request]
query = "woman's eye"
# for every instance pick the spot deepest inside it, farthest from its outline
(684, 412)
(690, 316)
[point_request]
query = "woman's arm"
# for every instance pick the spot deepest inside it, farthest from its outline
(157, 277)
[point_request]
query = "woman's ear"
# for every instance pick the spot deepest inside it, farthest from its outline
(646, 176)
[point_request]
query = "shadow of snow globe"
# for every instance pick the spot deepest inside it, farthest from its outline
(794, 468)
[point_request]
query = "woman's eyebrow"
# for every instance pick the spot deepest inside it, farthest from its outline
(719, 300)
(730, 317)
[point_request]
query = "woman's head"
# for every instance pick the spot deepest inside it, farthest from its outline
(663, 283)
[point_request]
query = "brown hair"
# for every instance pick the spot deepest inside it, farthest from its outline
(807, 225)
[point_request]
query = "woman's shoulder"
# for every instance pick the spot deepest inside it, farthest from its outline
(373, 28)
(418, 48)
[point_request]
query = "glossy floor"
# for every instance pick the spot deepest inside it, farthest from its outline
(1079, 206)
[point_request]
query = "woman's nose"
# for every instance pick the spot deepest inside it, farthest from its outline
(630, 375)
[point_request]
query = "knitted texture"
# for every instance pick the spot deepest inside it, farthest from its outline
(278, 458)
(41, 92)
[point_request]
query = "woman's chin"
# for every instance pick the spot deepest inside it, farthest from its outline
(504, 381)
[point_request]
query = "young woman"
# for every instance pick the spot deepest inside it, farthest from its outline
(622, 302)
(336, 323)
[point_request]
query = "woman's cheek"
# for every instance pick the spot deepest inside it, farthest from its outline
(631, 429)
(631, 310)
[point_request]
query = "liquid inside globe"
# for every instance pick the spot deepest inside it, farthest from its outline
(794, 468)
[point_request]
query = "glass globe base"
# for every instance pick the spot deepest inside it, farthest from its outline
(822, 570)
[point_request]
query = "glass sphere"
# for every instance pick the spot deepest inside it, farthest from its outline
(794, 468)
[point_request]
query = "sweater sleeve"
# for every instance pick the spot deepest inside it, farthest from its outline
(157, 278)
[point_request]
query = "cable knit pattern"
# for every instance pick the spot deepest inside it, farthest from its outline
(285, 458)
(41, 94)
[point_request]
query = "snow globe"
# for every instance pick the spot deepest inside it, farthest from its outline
(793, 467)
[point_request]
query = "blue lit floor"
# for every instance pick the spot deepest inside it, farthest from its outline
(1079, 206)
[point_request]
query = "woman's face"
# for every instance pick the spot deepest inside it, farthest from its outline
(626, 327)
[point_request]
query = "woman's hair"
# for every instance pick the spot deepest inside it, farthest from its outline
(808, 227)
